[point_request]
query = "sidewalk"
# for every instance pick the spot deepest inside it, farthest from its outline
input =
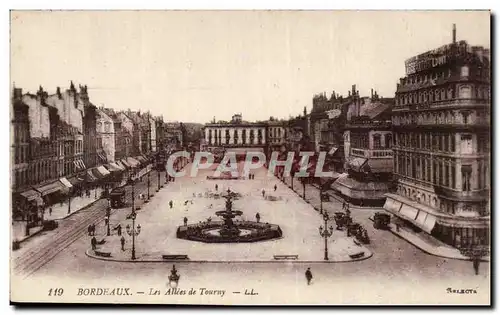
(60, 211)
(19, 231)
(429, 244)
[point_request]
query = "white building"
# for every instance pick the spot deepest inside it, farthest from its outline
(105, 127)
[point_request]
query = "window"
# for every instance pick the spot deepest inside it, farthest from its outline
(388, 140)
(453, 174)
(464, 72)
(466, 176)
(465, 116)
(446, 175)
(259, 136)
(377, 141)
(465, 92)
(210, 136)
(235, 136)
(435, 172)
(466, 144)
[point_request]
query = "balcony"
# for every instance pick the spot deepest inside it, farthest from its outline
(473, 196)
(371, 153)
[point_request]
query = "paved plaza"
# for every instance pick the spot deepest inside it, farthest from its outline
(297, 219)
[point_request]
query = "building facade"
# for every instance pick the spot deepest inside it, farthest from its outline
(368, 138)
(442, 154)
(236, 135)
(106, 129)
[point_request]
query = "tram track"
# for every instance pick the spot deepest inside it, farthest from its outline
(70, 231)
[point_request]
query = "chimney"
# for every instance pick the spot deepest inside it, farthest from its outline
(454, 33)
(371, 93)
(18, 93)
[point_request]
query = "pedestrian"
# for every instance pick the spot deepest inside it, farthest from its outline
(275, 187)
(50, 211)
(263, 192)
(309, 276)
(171, 204)
(93, 229)
(119, 229)
(89, 229)
(185, 221)
(475, 264)
(106, 221)
(122, 241)
(216, 187)
(93, 242)
(257, 217)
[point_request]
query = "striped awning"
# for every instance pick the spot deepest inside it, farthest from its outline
(65, 182)
(100, 172)
(121, 165)
(79, 164)
(90, 176)
(124, 162)
(102, 157)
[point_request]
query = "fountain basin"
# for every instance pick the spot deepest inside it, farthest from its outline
(244, 232)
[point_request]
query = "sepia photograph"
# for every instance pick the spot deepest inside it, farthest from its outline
(259, 157)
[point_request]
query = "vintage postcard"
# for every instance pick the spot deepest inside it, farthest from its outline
(250, 157)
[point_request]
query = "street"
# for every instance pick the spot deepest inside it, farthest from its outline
(61, 257)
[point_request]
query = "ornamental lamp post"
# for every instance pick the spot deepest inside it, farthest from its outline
(108, 214)
(149, 183)
(320, 199)
(132, 231)
(326, 233)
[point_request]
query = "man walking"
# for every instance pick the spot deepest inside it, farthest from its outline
(309, 276)
(263, 193)
(171, 204)
(275, 187)
(122, 241)
(257, 217)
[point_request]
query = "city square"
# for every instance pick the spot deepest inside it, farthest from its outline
(349, 188)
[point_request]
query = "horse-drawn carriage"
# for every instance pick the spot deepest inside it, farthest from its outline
(381, 221)
(117, 197)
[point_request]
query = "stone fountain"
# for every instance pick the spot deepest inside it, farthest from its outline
(227, 230)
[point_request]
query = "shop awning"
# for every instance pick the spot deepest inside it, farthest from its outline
(114, 167)
(125, 163)
(393, 206)
(75, 180)
(380, 165)
(133, 162)
(121, 165)
(32, 196)
(356, 163)
(104, 172)
(79, 164)
(65, 182)
(409, 212)
(429, 223)
(333, 150)
(90, 176)
(51, 188)
(140, 158)
(102, 157)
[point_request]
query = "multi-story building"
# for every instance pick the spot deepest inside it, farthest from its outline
(236, 135)
(368, 138)
(441, 123)
(328, 118)
(106, 129)
(276, 135)
(122, 126)
(173, 136)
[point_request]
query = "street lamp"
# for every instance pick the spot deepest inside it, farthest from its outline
(69, 202)
(320, 199)
(326, 233)
(158, 173)
(108, 214)
(149, 182)
(133, 231)
(304, 188)
(132, 181)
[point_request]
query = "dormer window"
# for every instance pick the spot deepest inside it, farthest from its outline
(464, 72)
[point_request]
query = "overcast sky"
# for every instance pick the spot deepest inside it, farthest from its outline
(191, 66)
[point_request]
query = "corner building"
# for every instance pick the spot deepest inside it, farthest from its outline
(441, 123)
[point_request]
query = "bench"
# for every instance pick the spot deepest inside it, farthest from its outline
(358, 255)
(102, 254)
(286, 257)
(175, 257)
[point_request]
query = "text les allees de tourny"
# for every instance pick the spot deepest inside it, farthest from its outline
(155, 291)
